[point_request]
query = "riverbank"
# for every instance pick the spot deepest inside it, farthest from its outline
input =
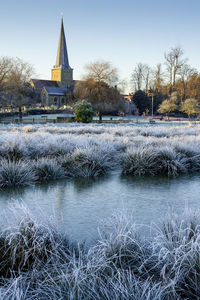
(69, 117)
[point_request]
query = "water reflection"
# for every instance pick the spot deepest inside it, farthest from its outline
(80, 204)
(81, 184)
(9, 193)
(154, 180)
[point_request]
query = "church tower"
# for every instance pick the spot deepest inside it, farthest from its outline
(62, 72)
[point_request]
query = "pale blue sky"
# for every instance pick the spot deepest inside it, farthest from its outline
(122, 32)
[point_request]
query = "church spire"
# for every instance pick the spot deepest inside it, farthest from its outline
(62, 55)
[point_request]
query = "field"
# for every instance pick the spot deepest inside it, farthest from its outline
(37, 261)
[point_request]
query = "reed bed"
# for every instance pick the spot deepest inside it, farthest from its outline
(29, 154)
(38, 262)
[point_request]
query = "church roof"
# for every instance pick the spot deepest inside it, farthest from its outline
(56, 91)
(62, 60)
(40, 83)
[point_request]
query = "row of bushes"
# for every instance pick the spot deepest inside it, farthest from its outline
(37, 145)
(22, 145)
(160, 161)
(26, 158)
(82, 162)
(97, 161)
(38, 262)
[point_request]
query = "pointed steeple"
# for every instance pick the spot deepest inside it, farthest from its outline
(62, 60)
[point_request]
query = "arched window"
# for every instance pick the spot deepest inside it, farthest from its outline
(63, 100)
(55, 100)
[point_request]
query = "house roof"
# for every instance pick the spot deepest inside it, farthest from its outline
(40, 83)
(56, 91)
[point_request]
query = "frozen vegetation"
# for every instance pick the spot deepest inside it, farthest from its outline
(29, 154)
(38, 262)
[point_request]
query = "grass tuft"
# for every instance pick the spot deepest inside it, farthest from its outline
(86, 162)
(16, 173)
(38, 262)
(48, 169)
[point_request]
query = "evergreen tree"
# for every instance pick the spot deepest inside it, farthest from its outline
(83, 112)
(142, 101)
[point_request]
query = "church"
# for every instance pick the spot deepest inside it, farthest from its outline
(55, 92)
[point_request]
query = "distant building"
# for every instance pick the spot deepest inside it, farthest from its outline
(128, 97)
(57, 90)
(128, 105)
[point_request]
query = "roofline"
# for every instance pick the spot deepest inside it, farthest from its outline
(43, 79)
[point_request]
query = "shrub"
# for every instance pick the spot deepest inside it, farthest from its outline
(140, 161)
(38, 262)
(48, 169)
(30, 246)
(16, 173)
(83, 112)
(154, 161)
(179, 253)
(170, 162)
(88, 161)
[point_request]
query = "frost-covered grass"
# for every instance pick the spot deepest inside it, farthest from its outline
(155, 161)
(89, 161)
(48, 169)
(16, 173)
(38, 262)
(52, 152)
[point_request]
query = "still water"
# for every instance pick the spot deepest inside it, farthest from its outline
(79, 205)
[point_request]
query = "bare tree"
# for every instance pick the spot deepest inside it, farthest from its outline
(101, 71)
(141, 77)
(193, 87)
(170, 64)
(185, 73)
(137, 76)
(179, 61)
(97, 88)
(174, 61)
(146, 76)
(122, 85)
(158, 78)
(6, 66)
(16, 83)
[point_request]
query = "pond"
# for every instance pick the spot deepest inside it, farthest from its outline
(79, 205)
